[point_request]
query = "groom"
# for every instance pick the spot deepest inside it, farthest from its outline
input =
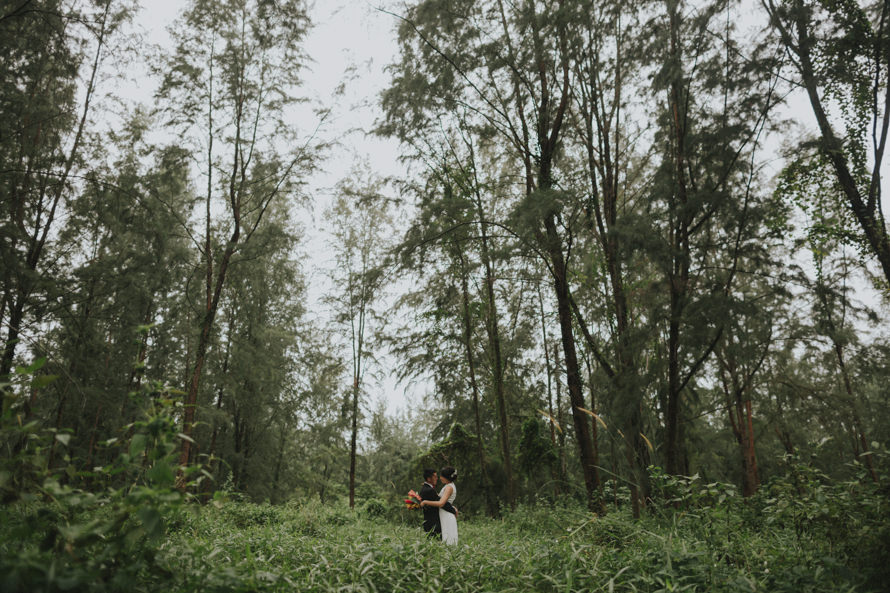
(431, 514)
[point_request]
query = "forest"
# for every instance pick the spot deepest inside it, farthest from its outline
(631, 280)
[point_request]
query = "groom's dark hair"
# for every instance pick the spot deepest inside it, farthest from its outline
(427, 472)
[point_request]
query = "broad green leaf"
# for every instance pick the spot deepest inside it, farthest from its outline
(137, 444)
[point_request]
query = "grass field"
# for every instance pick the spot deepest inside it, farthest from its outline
(309, 547)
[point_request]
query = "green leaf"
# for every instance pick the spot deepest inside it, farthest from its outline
(160, 474)
(42, 381)
(151, 520)
(137, 445)
(32, 368)
(63, 437)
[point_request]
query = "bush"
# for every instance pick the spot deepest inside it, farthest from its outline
(375, 509)
(56, 536)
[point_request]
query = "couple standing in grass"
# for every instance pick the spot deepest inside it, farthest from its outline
(439, 514)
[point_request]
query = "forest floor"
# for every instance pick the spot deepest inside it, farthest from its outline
(239, 546)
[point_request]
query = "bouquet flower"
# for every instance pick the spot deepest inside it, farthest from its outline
(413, 500)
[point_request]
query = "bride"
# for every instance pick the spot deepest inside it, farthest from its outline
(448, 520)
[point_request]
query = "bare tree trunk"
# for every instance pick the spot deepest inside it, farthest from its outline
(555, 471)
(741, 419)
(563, 469)
(736, 387)
(358, 343)
(471, 365)
(573, 375)
(93, 433)
(678, 279)
(494, 339)
(279, 462)
(353, 442)
(594, 436)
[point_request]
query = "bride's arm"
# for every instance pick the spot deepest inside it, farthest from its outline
(446, 492)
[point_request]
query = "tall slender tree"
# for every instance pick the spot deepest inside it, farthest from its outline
(362, 228)
(226, 89)
(45, 130)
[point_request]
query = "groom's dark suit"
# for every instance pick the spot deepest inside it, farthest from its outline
(431, 514)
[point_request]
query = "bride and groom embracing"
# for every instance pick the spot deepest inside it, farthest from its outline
(439, 514)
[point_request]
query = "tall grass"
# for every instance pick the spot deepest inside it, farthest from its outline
(732, 545)
(313, 548)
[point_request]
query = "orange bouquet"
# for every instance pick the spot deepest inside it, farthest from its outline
(413, 500)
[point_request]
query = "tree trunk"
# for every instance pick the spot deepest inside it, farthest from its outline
(741, 419)
(279, 462)
(357, 345)
(555, 471)
(594, 435)
(12, 335)
(678, 279)
(353, 442)
(471, 366)
(573, 375)
(494, 340)
(563, 468)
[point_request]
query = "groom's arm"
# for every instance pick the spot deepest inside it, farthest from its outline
(430, 494)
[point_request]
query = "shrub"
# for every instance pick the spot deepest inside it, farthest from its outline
(375, 509)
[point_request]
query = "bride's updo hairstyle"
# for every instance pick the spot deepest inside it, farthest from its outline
(449, 473)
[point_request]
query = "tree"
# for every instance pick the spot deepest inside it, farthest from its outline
(841, 52)
(508, 66)
(45, 119)
(604, 66)
(744, 346)
(834, 315)
(122, 288)
(461, 202)
(226, 89)
(361, 230)
(714, 108)
(261, 324)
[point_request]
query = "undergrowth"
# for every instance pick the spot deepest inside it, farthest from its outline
(734, 545)
(133, 531)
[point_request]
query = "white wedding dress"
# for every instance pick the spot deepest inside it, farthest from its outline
(449, 520)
